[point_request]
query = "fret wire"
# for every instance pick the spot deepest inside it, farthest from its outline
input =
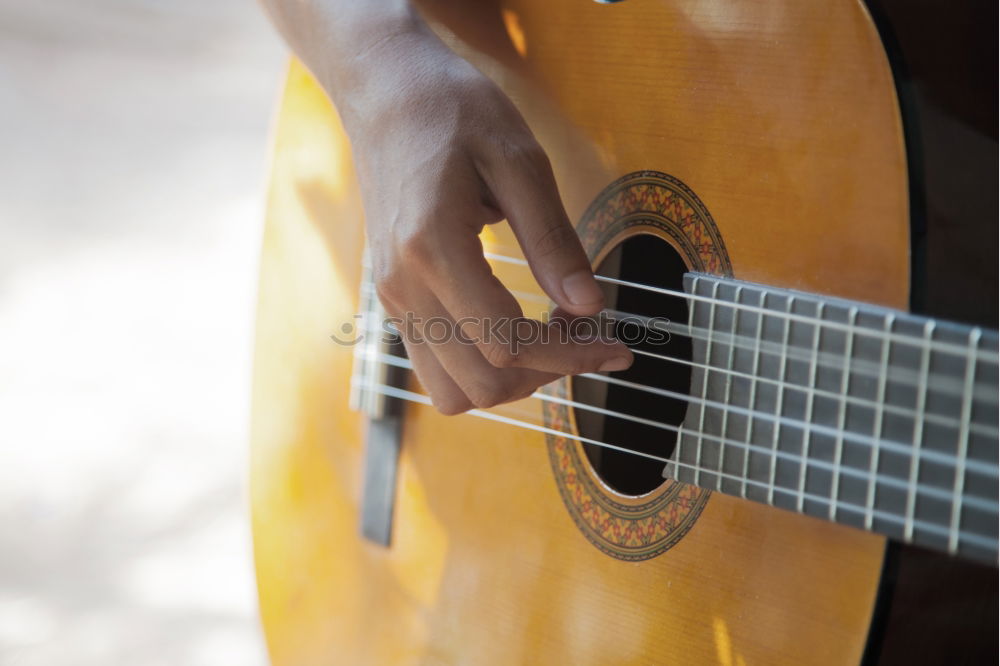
(704, 383)
(942, 346)
(776, 431)
(752, 403)
(810, 399)
(403, 394)
(729, 390)
(877, 426)
(963, 441)
(724, 441)
(845, 385)
(918, 434)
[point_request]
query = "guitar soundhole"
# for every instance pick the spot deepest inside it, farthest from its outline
(649, 260)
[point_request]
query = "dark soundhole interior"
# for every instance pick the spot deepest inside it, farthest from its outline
(642, 259)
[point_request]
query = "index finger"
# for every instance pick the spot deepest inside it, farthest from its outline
(490, 316)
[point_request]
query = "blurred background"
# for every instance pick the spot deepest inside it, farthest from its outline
(134, 144)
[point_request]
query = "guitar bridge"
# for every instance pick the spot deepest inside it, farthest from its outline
(383, 437)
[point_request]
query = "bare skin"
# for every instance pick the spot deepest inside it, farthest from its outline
(440, 153)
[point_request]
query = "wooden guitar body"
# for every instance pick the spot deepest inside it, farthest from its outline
(781, 120)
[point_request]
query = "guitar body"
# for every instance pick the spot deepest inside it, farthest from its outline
(780, 120)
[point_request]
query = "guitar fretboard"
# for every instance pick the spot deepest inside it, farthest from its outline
(845, 411)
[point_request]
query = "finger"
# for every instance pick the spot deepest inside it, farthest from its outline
(490, 317)
(465, 367)
(446, 395)
(483, 384)
(525, 189)
(586, 327)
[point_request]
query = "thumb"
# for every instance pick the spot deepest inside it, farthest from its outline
(524, 188)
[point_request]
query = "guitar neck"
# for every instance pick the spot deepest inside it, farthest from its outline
(862, 415)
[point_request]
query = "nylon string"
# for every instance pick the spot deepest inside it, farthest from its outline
(888, 445)
(410, 396)
(758, 347)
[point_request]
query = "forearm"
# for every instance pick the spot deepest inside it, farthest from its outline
(364, 53)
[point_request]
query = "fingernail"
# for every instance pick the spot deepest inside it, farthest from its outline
(581, 288)
(616, 364)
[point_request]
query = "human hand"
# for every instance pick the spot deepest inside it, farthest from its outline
(441, 152)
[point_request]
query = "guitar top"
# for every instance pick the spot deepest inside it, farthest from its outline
(749, 185)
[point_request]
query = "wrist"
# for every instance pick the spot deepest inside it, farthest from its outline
(384, 57)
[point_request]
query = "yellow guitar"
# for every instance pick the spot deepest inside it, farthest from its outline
(738, 174)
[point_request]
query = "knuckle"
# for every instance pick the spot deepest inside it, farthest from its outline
(569, 362)
(525, 154)
(499, 355)
(555, 238)
(388, 285)
(576, 367)
(451, 405)
(579, 361)
(522, 392)
(484, 396)
(415, 248)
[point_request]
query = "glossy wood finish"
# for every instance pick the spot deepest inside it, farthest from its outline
(782, 118)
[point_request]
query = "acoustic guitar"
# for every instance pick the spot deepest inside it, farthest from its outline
(741, 178)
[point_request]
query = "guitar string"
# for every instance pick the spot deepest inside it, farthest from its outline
(827, 360)
(972, 352)
(938, 419)
(965, 537)
(932, 417)
(944, 386)
(972, 466)
(937, 345)
(784, 420)
(955, 349)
